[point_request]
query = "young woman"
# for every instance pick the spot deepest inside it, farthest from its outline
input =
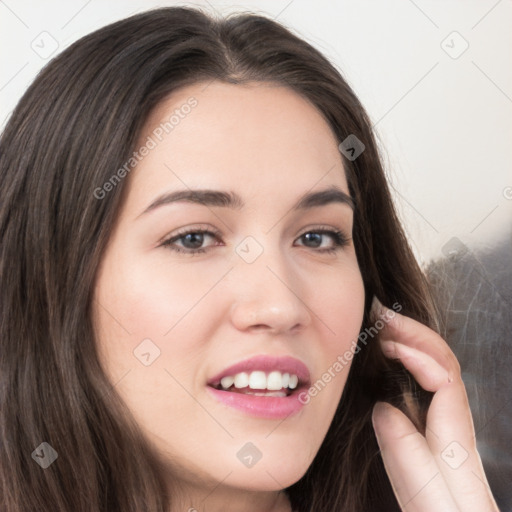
(196, 227)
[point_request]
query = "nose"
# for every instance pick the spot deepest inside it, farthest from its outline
(270, 295)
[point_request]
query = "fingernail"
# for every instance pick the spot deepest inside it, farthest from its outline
(381, 415)
(389, 349)
(381, 409)
(377, 310)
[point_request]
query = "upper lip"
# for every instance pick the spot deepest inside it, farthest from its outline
(266, 363)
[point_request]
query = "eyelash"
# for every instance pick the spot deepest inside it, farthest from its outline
(339, 238)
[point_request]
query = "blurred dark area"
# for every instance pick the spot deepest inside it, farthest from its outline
(474, 295)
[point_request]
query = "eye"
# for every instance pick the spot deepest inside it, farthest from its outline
(191, 240)
(315, 239)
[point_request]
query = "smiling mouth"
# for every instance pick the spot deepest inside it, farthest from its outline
(264, 386)
(259, 383)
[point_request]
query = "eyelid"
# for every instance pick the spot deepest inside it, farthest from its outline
(201, 228)
(322, 228)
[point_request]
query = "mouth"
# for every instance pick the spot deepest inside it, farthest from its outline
(260, 383)
(263, 386)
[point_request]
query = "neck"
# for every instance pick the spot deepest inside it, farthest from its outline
(233, 500)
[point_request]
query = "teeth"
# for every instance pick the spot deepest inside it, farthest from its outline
(274, 381)
(227, 382)
(241, 380)
(258, 380)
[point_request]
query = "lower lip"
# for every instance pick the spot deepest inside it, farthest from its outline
(260, 406)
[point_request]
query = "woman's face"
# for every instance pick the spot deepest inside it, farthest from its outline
(256, 277)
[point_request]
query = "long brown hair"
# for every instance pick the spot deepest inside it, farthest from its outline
(77, 124)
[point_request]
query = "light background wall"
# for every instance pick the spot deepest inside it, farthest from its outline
(441, 111)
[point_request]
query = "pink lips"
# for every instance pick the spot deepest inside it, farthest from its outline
(263, 406)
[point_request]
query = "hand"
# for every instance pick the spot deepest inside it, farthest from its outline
(441, 471)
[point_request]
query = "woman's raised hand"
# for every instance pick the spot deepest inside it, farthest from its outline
(441, 471)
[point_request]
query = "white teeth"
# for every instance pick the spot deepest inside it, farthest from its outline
(241, 380)
(274, 381)
(227, 382)
(257, 380)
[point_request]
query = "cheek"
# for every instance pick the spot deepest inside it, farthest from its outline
(160, 309)
(143, 309)
(340, 311)
(152, 300)
(340, 303)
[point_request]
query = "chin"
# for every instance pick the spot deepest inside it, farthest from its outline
(265, 479)
(275, 470)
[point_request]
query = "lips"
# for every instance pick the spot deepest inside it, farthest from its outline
(250, 393)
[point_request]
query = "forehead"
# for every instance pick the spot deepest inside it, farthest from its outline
(253, 138)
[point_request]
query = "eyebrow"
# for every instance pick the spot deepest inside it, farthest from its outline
(233, 200)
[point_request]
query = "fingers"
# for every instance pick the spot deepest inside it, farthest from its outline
(429, 374)
(414, 475)
(450, 436)
(409, 332)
